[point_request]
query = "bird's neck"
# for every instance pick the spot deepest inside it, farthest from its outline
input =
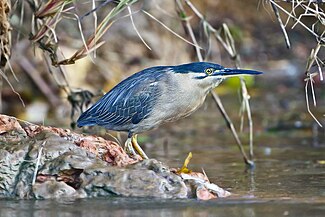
(210, 83)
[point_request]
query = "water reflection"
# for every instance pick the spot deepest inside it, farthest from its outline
(153, 207)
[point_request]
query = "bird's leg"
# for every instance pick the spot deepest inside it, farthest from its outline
(128, 148)
(137, 147)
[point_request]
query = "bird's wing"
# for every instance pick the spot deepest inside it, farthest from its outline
(129, 102)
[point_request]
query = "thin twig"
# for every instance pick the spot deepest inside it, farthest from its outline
(95, 24)
(307, 104)
(21, 20)
(1, 86)
(319, 68)
(135, 28)
(169, 29)
(12, 87)
(232, 128)
(312, 89)
(83, 37)
(190, 31)
(246, 98)
(39, 155)
(277, 14)
(311, 59)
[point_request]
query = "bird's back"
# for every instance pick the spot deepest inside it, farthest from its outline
(127, 103)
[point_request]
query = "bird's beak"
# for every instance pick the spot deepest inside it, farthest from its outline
(227, 72)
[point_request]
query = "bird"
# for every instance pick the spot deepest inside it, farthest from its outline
(154, 96)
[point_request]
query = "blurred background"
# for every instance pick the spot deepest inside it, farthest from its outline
(54, 87)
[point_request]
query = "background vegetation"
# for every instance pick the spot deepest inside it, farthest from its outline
(64, 53)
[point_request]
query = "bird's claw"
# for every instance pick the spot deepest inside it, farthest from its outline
(132, 147)
(128, 147)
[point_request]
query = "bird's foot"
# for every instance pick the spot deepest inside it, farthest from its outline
(184, 168)
(132, 147)
(137, 147)
(128, 147)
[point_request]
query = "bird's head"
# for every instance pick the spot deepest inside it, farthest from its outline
(209, 75)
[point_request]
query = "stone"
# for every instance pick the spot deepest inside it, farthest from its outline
(40, 162)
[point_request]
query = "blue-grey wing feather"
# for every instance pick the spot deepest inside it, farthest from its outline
(130, 102)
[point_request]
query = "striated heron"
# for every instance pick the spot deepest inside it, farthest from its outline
(154, 96)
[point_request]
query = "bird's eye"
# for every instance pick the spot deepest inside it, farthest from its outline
(209, 71)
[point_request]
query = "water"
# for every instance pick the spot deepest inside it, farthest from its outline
(146, 207)
(288, 180)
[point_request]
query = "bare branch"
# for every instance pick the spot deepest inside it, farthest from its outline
(277, 14)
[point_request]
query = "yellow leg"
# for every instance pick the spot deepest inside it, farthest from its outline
(137, 147)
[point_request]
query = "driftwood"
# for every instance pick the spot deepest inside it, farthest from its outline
(47, 162)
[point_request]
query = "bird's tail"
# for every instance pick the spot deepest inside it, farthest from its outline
(85, 120)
